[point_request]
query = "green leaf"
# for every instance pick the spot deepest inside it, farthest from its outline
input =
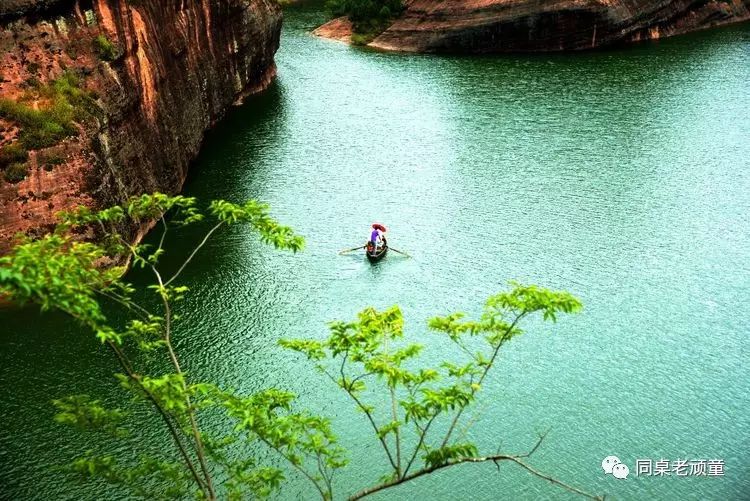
(449, 454)
(85, 413)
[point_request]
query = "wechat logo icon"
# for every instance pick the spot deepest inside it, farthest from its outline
(613, 466)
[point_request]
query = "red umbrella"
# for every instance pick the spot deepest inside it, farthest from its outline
(378, 226)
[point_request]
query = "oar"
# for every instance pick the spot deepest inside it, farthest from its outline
(396, 250)
(355, 248)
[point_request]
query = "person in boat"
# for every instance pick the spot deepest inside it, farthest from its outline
(377, 239)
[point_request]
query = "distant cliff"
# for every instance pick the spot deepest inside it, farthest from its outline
(480, 26)
(104, 99)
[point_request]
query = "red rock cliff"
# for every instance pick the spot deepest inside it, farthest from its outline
(477, 26)
(154, 76)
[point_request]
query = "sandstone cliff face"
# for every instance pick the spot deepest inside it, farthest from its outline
(477, 26)
(158, 73)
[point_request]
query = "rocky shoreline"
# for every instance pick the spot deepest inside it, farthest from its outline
(486, 26)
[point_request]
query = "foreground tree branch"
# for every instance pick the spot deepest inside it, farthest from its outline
(405, 393)
(496, 458)
(368, 358)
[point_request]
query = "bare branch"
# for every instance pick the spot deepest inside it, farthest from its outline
(496, 458)
(138, 309)
(515, 458)
(542, 436)
(361, 376)
(422, 436)
(195, 251)
(163, 234)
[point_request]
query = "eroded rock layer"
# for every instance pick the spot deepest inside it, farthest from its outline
(154, 75)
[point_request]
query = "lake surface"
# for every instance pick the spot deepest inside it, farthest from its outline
(622, 176)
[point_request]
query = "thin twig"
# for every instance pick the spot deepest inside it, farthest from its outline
(139, 310)
(195, 251)
(322, 471)
(199, 449)
(422, 436)
(163, 234)
(394, 413)
(361, 376)
(362, 407)
(484, 374)
(127, 367)
(296, 466)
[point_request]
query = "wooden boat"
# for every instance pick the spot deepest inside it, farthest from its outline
(375, 255)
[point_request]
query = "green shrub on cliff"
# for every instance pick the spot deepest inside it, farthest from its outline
(12, 153)
(40, 128)
(63, 104)
(33, 68)
(228, 445)
(67, 89)
(50, 158)
(16, 173)
(368, 17)
(107, 50)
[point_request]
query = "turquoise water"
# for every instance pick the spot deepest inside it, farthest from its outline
(622, 176)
